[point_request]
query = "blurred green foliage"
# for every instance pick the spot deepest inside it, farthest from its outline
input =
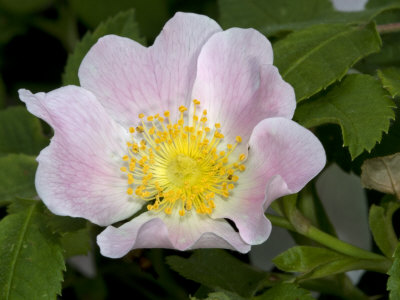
(314, 49)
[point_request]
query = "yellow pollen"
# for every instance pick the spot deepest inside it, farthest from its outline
(181, 166)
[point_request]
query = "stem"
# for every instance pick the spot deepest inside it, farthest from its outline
(326, 239)
(388, 28)
(340, 246)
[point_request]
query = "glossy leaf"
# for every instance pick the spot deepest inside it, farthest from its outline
(123, 24)
(17, 175)
(390, 78)
(313, 58)
(218, 269)
(20, 132)
(359, 105)
(32, 262)
(382, 174)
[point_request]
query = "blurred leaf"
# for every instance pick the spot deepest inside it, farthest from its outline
(24, 6)
(304, 258)
(225, 295)
(382, 174)
(387, 57)
(10, 27)
(390, 78)
(314, 58)
(311, 207)
(150, 14)
(285, 291)
(76, 242)
(123, 24)
(338, 285)
(17, 176)
(20, 132)
(288, 206)
(32, 261)
(393, 284)
(64, 224)
(381, 224)
(2, 93)
(359, 105)
(74, 233)
(275, 16)
(218, 269)
(90, 288)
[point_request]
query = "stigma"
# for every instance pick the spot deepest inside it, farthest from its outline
(181, 166)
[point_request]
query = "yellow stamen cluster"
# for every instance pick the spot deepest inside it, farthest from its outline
(181, 166)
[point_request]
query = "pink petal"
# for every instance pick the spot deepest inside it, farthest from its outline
(151, 230)
(129, 79)
(79, 172)
(237, 83)
(282, 159)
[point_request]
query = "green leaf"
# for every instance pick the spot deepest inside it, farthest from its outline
(225, 295)
(276, 16)
(123, 24)
(390, 78)
(76, 242)
(20, 132)
(17, 175)
(393, 284)
(150, 20)
(74, 233)
(312, 208)
(304, 258)
(338, 285)
(386, 58)
(314, 58)
(380, 222)
(345, 264)
(32, 261)
(24, 6)
(218, 269)
(285, 291)
(359, 105)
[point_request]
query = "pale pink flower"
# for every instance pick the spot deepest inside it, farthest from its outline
(193, 130)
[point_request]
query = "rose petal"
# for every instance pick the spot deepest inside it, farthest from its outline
(79, 172)
(237, 83)
(129, 79)
(283, 158)
(151, 230)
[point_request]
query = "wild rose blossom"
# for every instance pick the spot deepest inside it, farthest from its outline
(184, 135)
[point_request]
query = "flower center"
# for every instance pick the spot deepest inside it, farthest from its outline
(184, 170)
(178, 166)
